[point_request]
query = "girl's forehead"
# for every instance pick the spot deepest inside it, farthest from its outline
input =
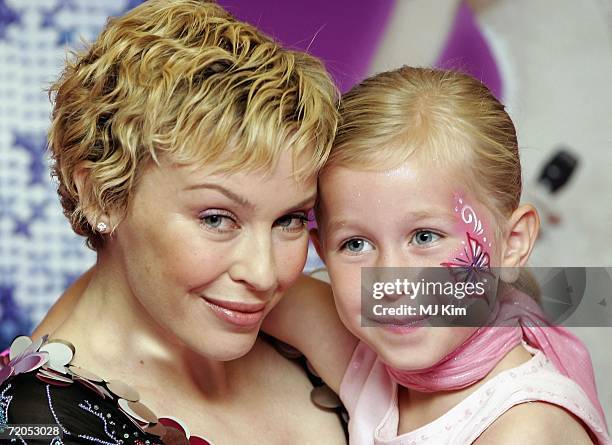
(415, 191)
(410, 181)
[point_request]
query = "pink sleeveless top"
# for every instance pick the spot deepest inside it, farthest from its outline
(370, 396)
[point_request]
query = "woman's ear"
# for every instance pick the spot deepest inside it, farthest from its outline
(316, 241)
(521, 233)
(80, 173)
(96, 218)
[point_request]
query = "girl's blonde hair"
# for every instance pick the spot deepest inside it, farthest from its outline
(440, 115)
(182, 79)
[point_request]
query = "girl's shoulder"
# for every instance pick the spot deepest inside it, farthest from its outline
(536, 402)
(529, 403)
(535, 423)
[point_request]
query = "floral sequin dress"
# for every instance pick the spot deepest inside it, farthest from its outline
(39, 386)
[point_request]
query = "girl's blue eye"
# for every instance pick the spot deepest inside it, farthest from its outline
(357, 245)
(423, 237)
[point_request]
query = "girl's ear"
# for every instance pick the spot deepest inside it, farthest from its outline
(522, 231)
(314, 236)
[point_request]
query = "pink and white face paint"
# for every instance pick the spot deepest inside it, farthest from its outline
(475, 254)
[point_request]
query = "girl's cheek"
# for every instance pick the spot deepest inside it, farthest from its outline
(349, 310)
(347, 291)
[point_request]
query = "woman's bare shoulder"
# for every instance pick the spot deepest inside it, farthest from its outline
(63, 306)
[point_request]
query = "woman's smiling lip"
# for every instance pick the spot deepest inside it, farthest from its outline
(239, 314)
(237, 306)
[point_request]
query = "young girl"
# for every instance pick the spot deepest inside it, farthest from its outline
(425, 171)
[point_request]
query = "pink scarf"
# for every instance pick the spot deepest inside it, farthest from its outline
(519, 318)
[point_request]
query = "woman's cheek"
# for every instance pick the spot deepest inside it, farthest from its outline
(291, 262)
(200, 268)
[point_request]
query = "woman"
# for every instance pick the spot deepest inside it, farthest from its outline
(186, 147)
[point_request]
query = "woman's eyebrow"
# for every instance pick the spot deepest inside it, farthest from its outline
(308, 202)
(242, 200)
(228, 193)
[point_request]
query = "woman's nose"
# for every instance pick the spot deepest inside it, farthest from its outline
(254, 263)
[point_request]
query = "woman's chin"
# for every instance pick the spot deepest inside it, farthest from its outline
(230, 347)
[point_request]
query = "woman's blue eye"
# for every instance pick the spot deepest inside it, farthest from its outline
(218, 222)
(213, 220)
(292, 223)
(423, 237)
(357, 245)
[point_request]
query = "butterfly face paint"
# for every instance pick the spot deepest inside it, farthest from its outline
(475, 252)
(474, 257)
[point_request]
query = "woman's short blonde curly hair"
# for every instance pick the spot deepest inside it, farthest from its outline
(186, 80)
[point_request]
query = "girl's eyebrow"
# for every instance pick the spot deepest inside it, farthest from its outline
(336, 225)
(415, 216)
(425, 214)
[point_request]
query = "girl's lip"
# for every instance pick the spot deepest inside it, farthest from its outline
(410, 320)
(239, 314)
(402, 329)
(401, 325)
